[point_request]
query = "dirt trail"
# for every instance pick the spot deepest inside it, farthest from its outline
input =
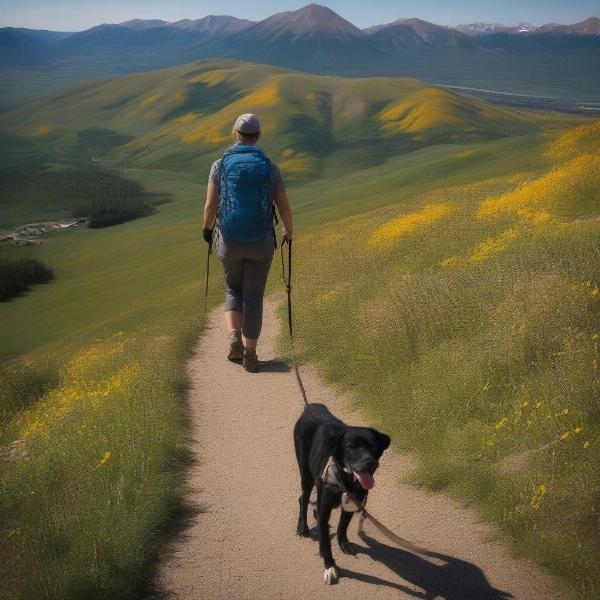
(242, 543)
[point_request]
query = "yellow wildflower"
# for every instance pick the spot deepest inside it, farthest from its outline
(586, 444)
(494, 245)
(534, 200)
(538, 494)
(578, 429)
(451, 261)
(390, 232)
(104, 460)
(565, 435)
(42, 131)
(501, 423)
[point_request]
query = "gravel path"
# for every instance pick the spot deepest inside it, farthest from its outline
(242, 544)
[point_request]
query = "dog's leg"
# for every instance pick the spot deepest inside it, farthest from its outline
(324, 513)
(342, 533)
(318, 503)
(307, 485)
(361, 519)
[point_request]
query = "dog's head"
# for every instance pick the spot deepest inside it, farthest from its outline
(359, 451)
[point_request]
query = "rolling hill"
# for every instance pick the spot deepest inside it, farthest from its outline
(176, 118)
(179, 119)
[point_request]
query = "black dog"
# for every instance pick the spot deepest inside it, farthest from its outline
(340, 459)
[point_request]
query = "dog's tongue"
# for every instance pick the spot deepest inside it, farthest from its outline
(365, 479)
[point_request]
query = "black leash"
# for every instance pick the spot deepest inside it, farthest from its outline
(288, 286)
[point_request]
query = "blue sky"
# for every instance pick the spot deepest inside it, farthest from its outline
(74, 15)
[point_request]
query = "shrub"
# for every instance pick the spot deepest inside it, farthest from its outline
(18, 275)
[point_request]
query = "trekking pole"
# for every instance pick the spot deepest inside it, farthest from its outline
(289, 286)
(208, 253)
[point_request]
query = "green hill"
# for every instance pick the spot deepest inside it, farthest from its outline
(179, 119)
(175, 118)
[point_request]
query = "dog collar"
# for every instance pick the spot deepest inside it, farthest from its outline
(331, 475)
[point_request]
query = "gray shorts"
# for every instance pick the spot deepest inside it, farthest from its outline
(246, 266)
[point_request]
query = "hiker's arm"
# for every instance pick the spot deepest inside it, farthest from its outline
(212, 203)
(284, 208)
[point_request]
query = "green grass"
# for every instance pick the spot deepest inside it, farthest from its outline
(93, 363)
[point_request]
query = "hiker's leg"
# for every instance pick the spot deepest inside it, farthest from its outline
(256, 271)
(233, 319)
(233, 268)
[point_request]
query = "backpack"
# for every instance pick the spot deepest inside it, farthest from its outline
(245, 209)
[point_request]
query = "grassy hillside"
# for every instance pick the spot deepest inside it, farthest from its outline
(465, 321)
(178, 119)
(92, 384)
(92, 422)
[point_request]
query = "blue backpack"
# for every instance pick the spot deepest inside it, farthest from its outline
(245, 209)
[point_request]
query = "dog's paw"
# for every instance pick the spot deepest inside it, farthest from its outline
(303, 531)
(347, 548)
(330, 576)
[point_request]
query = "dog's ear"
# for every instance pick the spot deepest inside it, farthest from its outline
(383, 440)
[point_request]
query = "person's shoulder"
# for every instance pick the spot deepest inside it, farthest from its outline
(215, 171)
(275, 170)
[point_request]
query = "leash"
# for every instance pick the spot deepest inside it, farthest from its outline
(288, 286)
(399, 541)
(349, 498)
(364, 513)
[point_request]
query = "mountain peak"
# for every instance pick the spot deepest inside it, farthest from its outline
(480, 28)
(214, 24)
(141, 24)
(309, 20)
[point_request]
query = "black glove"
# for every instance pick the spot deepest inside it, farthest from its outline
(207, 234)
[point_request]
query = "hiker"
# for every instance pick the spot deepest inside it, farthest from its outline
(243, 188)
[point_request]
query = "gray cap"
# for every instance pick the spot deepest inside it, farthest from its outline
(247, 123)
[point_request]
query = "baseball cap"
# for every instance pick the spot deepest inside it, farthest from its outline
(247, 123)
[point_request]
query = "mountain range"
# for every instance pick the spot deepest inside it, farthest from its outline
(476, 29)
(550, 59)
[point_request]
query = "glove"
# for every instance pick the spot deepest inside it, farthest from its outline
(207, 234)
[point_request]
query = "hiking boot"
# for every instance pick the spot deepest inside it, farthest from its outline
(236, 348)
(250, 361)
